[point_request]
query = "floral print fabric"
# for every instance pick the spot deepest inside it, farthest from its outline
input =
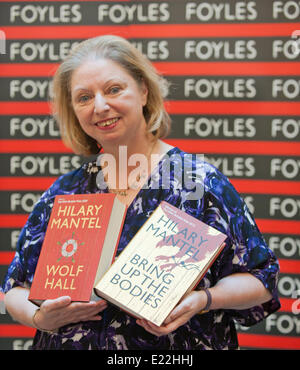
(219, 206)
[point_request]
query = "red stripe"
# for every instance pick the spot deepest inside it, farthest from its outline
(232, 107)
(33, 146)
(266, 226)
(15, 108)
(289, 266)
(286, 266)
(28, 70)
(172, 68)
(266, 186)
(178, 107)
(245, 340)
(242, 185)
(268, 341)
(6, 257)
(12, 221)
(237, 146)
(228, 68)
(286, 304)
(26, 183)
(15, 330)
(151, 30)
(63, 32)
(278, 226)
(188, 145)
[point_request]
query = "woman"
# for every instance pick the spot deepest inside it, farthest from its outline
(108, 96)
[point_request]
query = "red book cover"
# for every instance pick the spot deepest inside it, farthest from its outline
(79, 246)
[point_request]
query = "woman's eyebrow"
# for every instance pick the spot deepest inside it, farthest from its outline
(114, 80)
(79, 88)
(107, 82)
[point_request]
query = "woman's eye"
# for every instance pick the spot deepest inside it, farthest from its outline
(83, 98)
(114, 90)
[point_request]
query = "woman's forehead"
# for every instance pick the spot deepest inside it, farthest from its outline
(101, 71)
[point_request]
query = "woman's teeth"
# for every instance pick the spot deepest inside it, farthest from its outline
(108, 122)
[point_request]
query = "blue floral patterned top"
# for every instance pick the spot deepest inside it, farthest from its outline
(219, 205)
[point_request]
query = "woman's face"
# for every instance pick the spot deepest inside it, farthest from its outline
(108, 102)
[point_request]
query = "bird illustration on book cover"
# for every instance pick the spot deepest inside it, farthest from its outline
(191, 247)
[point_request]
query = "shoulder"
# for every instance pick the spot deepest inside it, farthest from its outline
(194, 164)
(199, 175)
(73, 182)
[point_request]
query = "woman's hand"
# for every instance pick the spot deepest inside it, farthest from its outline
(238, 291)
(54, 313)
(193, 303)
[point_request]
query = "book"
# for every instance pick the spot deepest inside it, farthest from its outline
(165, 260)
(79, 246)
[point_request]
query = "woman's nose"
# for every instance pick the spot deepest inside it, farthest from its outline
(101, 103)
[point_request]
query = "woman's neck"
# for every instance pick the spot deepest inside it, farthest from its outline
(127, 169)
(122, 160)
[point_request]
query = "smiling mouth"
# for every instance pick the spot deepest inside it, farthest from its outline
(107, 122)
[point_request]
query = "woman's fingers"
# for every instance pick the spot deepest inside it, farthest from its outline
(61, 311)
(182, 313)
(54, 304)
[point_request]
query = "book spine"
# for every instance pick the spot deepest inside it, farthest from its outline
(207, 268)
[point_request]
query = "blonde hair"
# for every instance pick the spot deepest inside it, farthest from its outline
(119, 50)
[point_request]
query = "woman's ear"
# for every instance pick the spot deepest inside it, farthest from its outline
(144, 93)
